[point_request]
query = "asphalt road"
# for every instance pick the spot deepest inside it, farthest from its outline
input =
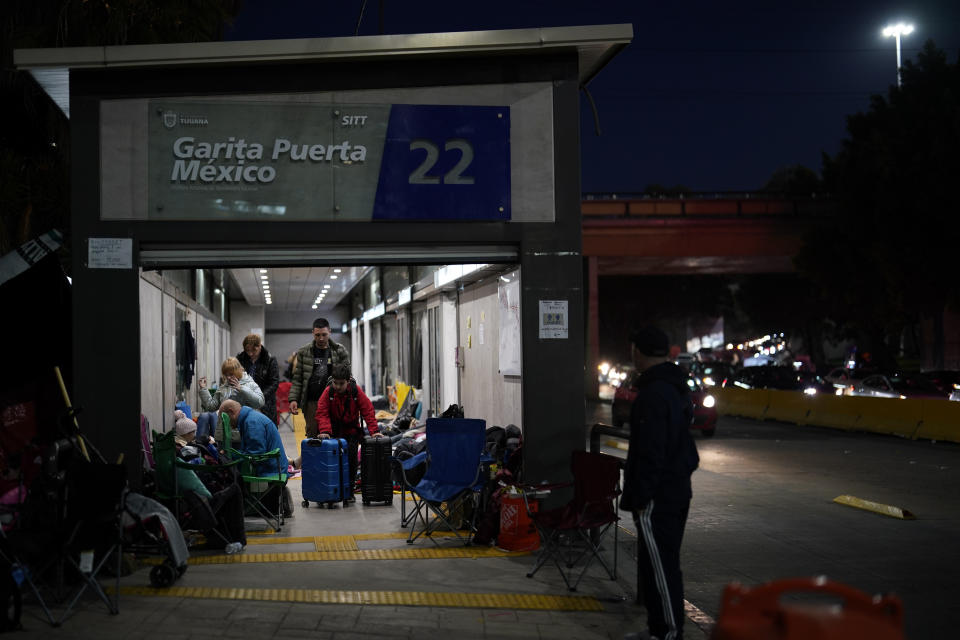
(763, 510)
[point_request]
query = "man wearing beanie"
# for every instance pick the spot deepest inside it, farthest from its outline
(661, 458)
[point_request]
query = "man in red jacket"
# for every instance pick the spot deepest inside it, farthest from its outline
(339, 411)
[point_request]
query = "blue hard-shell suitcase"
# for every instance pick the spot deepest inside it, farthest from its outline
(325, 471)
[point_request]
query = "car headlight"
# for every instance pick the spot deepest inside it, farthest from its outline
(709, 401)
(838, 392)
(708, 381)
(810, 391)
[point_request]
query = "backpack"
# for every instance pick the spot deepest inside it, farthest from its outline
(453, 411)
(496, 443)
(513, 450)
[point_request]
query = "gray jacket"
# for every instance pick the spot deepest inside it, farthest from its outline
(248, 395)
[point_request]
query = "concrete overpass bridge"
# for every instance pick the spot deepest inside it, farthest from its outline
(696, 234)
(702, 234)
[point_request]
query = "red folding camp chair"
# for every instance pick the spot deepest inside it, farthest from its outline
(283, 405)
(575, 530)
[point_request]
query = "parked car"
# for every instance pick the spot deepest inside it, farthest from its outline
(704, 405)
(685, 360)
(782, 378)
(946, 380)
(843, 379)
(712, 374)
(897, 385)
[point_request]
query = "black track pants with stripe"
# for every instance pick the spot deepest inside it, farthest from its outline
(660, 532)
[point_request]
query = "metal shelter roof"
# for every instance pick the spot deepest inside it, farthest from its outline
(596, 45)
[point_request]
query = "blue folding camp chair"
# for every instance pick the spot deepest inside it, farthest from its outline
(455, 464)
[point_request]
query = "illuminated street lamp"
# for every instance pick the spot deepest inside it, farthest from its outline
(897, 30)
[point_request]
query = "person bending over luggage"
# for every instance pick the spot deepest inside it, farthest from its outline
(339, 411)
(222, 493)
(258, 434)
(237, 385)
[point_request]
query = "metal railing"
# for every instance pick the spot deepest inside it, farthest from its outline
(599, 429)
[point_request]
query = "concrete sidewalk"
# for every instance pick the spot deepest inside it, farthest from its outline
(281, 586)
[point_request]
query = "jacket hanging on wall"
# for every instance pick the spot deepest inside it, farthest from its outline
(189, 354)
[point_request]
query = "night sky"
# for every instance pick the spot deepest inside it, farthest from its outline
(712, 96)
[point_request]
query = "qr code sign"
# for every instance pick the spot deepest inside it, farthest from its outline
(553, 319)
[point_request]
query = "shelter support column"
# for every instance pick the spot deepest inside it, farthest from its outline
(553, 404)
(106, 309)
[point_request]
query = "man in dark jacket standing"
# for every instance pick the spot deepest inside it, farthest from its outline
(661, 458)
(262, 367)
(315, 361)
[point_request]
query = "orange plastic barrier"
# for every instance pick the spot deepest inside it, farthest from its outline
(517, 531)
(760, 613)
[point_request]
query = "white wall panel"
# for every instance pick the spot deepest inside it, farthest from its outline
(151, 355)
(449, 375)
(484, 391)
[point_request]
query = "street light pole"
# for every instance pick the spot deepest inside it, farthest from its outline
(897, 30)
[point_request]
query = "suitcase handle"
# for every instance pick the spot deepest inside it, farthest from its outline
(766, 597)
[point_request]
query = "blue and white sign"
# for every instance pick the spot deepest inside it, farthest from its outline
(293, 161)
(445, 162)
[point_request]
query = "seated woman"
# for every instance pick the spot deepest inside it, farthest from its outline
(238, 386)
(224, 497)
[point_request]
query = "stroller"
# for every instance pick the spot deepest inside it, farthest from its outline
(150, 529)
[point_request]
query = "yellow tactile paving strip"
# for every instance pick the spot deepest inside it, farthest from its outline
(322, 543)
(403, 553)
(390, 598)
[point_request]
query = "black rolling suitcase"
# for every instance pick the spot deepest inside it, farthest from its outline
(376, 479)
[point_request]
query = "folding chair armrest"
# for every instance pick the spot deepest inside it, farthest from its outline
(545, 486)
(250, 459)
(410, 463)
(256, 457)
(205, 467)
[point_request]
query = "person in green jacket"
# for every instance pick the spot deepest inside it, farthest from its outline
(313, 366)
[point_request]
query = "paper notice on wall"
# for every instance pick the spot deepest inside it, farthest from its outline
(110, 253)
(480, 336)
(553, 320)
(508, 299)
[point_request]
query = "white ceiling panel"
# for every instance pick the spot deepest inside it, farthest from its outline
(296, 288)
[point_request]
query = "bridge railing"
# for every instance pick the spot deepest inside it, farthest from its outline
(703, 204)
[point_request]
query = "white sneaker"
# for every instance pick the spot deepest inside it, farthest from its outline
(233, 547)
